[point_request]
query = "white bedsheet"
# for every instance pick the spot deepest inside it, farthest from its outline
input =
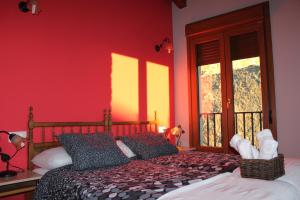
(230, 186)
(292, 172)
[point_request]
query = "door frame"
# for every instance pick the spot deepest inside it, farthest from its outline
(258, 14)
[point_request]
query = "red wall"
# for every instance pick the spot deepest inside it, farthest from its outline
(60, 61)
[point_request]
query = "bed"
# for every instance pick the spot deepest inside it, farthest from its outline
(232, 186)
(136, 179)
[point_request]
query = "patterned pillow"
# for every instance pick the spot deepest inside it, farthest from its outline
(149, 145)
(91, 151)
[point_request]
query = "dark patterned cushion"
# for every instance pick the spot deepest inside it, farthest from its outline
(92, 151)
(149, 145)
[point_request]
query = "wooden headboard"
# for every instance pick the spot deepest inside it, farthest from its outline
(43, 135)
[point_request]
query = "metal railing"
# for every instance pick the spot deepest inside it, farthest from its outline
(210, 127)
(246, 123)
(251, 123)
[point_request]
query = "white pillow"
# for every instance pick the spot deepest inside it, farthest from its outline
(52, 158)
(125, 149)
(40, 171)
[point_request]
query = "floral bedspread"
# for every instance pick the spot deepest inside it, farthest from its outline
(138, 179)
(200, 161)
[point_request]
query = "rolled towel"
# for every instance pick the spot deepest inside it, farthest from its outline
(268, 149)
(245, 149)
(234, 141)
(263, 135)
(255, 152)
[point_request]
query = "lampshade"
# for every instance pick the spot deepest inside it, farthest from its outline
(17, 140)
(176, 131)
(162, 129)
(169, 47)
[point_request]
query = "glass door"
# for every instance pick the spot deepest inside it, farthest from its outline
(210, 94)
(247, 98)
(210, 107)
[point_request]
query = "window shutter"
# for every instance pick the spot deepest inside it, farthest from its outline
(244, 46)
(208, 53)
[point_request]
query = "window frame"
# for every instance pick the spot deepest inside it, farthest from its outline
(225, 24)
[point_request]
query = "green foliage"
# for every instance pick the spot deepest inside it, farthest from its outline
(247, 98)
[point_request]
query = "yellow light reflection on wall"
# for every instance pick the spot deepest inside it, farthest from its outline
(158, 97)
(125, 88)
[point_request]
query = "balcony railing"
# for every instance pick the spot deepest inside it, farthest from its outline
(246, 124)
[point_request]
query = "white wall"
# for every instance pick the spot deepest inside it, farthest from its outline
(285, 23)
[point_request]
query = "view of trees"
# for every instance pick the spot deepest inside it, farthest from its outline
(247, 100)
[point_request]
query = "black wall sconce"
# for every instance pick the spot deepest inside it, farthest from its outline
(165, 44)
(25, 6)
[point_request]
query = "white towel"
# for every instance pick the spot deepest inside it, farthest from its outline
(234, 141)
(268, 149)
(263, 135)
(245, 149)
(255, 152)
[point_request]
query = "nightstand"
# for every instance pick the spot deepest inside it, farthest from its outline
(22, 183)
(184, 149)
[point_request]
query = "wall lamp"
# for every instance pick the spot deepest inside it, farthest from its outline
(165, 44)
(19, 143)
(25, 6)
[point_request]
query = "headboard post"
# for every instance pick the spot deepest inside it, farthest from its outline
(109, 120)
(30, 132)
(155, 120)
(105, 120)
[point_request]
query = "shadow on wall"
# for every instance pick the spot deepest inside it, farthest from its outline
(126, 90)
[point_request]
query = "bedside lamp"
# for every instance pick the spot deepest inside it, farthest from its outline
(19, 143)
(177, 131)
(162, 129)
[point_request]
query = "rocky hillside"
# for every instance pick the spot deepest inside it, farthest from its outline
(247, 98)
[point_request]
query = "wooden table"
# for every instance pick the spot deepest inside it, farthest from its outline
(21, 183)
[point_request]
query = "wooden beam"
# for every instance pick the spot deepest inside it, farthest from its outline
(180, 3)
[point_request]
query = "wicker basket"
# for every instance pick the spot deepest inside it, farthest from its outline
(263, 169)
